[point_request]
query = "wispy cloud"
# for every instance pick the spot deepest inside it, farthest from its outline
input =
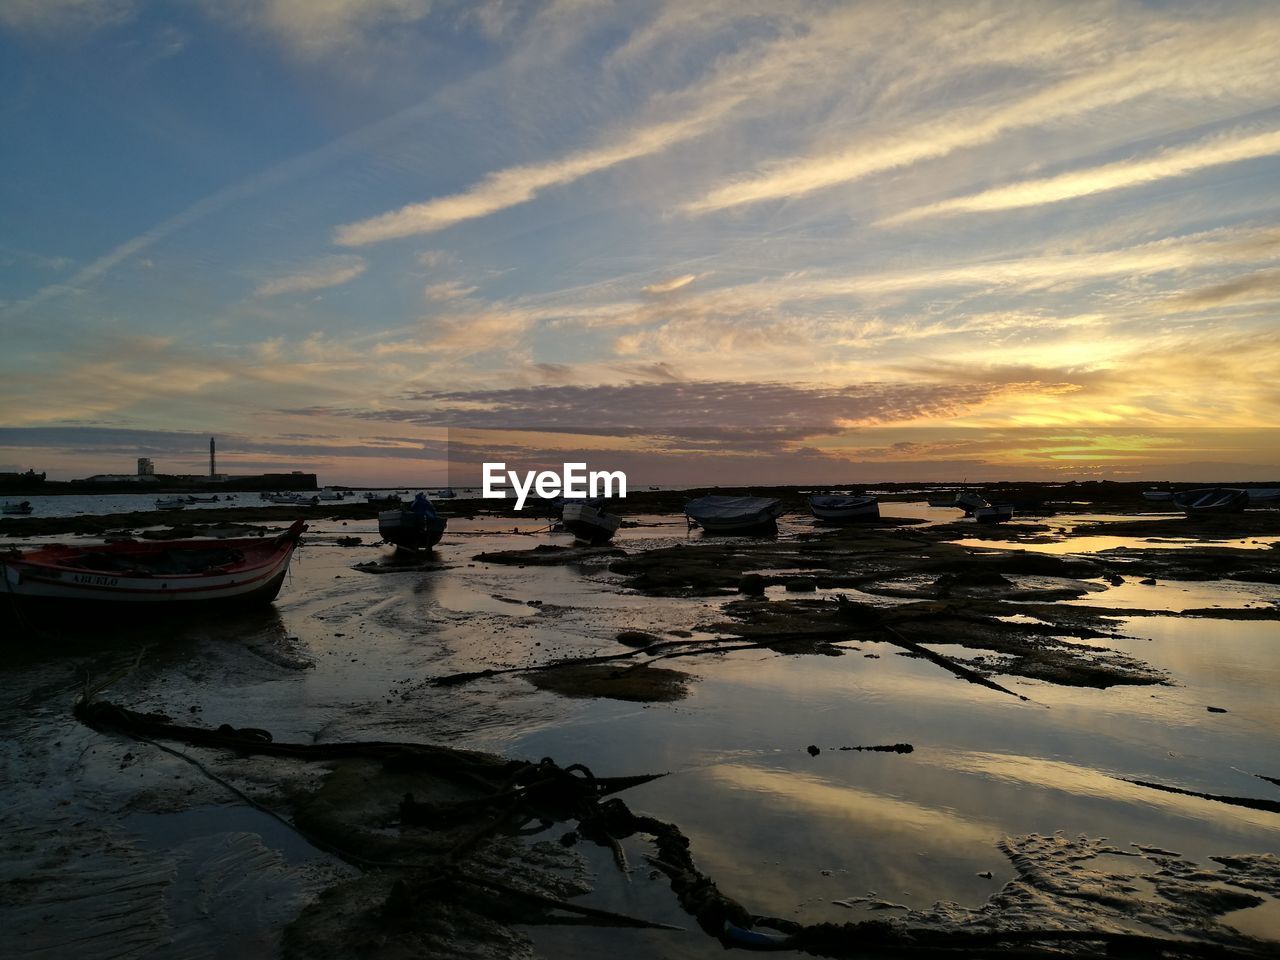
(1177, 61)
(1113, 176)
(517, 185)
(448, 290)
(311, 29)
(1263, 285)
(667, 286)
(330, 272)
(58, 15)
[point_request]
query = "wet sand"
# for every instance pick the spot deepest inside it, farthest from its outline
(1048, 691)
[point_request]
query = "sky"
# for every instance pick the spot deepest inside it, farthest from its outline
(705, 242)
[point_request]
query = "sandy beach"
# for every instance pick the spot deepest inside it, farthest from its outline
(1075, 718)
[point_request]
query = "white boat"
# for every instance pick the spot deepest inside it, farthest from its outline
(327, 494)
(837, 508)
(294, 499)
(23, 507)
(968, 501)
(446, 494)
(171, 503)
(138, 578)
(735, 516)
(993, 513)
(1157, 496)
(1211, 500)
(589, 522)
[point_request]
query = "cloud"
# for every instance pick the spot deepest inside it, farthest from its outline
(667, 286)
(435, 259)
(516, 185)
(1172, 60)
(331, 272)
(449, 290)
(50, 16)
(691, 408)
(1263, 285)
(1114, 176)
(311, 29)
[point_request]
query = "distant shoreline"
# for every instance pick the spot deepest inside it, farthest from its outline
(163, 483)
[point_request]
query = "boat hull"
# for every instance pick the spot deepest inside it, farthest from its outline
(995, 513)
(55, 580)
(735, 516)
(1207, 500)
(408, 531)
(844, 509)
(590, 524)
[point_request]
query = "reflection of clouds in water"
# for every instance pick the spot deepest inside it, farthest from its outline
(1082, 781)
(857, 807)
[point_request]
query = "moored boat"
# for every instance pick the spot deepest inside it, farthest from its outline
(1157, 496)
(589, 522)
(969, 502)
(735, 516)
(171, 503)
(837, 508)
(1264, 495)
(191, 498)
(296, 499)
(993, 513)
(151, 577)
(24, 507)
(1211, 500)
(407, 530)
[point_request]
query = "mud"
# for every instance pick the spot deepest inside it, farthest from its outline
(1039, 651)
(339, 659)
(1062, 883)
(549, 555)
(637, 683)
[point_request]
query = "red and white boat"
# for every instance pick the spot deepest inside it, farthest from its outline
(146, 577)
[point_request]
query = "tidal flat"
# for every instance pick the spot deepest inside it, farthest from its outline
(1054, 735)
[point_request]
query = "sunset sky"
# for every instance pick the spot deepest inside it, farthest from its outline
(733, 241)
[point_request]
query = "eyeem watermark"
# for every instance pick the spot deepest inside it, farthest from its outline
(573, 481)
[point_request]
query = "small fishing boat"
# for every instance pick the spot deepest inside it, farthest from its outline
(1157, 496)
(407, 530)
(1211, 500)
(837, 508)
(589, 522)
(289, 498)
(968, 501)
(446, 494)
(1264, 495)
(171, 503)
(993, 513)
(150, 577)
(195, 499)
(941, 500)
(18, 508)
(735, 516)
(327, 494)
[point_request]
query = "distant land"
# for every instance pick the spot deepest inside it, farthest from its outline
(31, 483)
